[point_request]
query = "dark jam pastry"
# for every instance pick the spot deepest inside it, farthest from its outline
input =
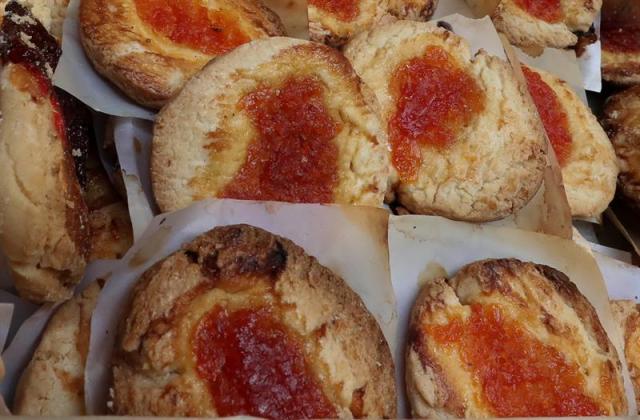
(79, 128)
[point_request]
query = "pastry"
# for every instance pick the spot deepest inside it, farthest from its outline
(278, 119)
(622, 122)
(506, 338)
(466, 143)
(241, 321)
(334, 22)
(582, 148)
(150, 48)
(620, 34)
(627, 314)
(50, 13)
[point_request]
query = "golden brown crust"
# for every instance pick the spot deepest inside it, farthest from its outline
(627, 314)
(540, 299)
(148, 67)
(53, 382)
(622, 122)
(245, 267)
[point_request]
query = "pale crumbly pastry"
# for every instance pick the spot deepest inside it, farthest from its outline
(506, 338)
(277, 119)
(627, 314)
(241, 321)
(622, 122)
(53, 382)
(620, 35)
(150, 48)
(584, 152)
(466, 142)
(540, 24)
(334, 22)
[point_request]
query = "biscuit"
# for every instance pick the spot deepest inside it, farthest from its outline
(241, 321)
(335, 22)
(277, 119)
(627, 314)
(466, 142)
(145, 48)
(620, 35)
(505, 338)
(622, 122)
(584, 152)
(53, 382)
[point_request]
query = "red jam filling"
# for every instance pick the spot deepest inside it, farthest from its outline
(345, 10)
(552, 114)
(294, 157)
(435, 99)
(519, 376)
(620, 29)
(188, 22)
(254, 366)
(547, 10)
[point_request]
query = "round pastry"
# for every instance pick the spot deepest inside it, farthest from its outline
(53, 382)
(620, 34)
(466, 142)
(627, 314)
(150, 48)
(543, 23)
(622, 122)
(241, 321)
(334, 22)
(582, 148)
(277, 119)
(505, 338)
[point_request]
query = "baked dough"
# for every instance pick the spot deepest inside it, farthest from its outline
(627, 314)
(620, 34)
(50, 13)
(494, 163)
(183, 303)
(506, 324)
(334, 22)
(622, 122)
(231, 130)
(149, 66)
(589, 166)
(53, 382)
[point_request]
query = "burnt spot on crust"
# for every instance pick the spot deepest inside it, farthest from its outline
(493, 275)
(445, 25)
(357, 402)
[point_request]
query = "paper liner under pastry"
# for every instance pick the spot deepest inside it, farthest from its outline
(422, 248)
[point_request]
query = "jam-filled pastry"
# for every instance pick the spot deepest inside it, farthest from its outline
(542, 23)
(622, 122)
(620, 35)
(506, 338)
(466, 143)
(278, 119)
(50, 13)
(334, 22)
(627, 314)
(244, 322)
(150, 48)
(584, 152)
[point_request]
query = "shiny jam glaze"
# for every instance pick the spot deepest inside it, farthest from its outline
(294, 157)
(620, 29)
(547, 10)
(253, 365)
(345, 10)
(518, 375)
(555, 120)
(189, 23)
(435, 99)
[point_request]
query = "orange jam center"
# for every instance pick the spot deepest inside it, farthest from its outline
(620, 30)
(518, 375)
(345, 10)
(189, 23)
(552, 114)
(254, 366)
(294, 157)
(547, 10)
(435, 99)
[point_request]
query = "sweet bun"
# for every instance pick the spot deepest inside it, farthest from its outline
(627, 314)
(241, 321)
(144, 48)
(50, 13)
(466, 142)
(277, 119)
(585, 154)
(334, 22)
(622, 122)
(620, 35)
(506, 338)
